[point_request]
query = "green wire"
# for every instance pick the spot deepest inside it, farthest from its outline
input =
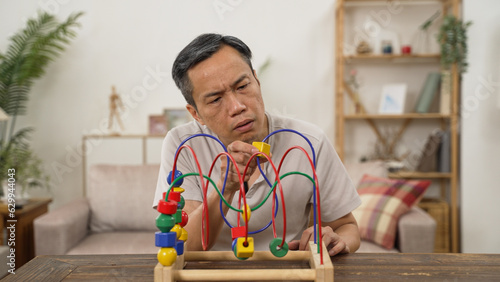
(224, 200)
(235, 209)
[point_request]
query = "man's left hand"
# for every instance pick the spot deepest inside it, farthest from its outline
(333, 242)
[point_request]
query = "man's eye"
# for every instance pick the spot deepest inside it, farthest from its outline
(215, 100)
(243, 86)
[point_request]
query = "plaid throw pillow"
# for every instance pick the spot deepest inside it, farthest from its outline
(383, 202)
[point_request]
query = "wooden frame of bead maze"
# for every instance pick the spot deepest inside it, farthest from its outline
(317, 272)
(172, 259)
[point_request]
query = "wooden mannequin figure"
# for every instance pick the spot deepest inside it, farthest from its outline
(115, 104)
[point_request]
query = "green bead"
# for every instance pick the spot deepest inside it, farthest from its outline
(165, 222)
(182, 203)
(275, 250)
(178, 216)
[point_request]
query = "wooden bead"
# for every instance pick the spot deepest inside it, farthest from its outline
(275, 250)
(184, 220)
(165, 222)
(167, 207)
(176, 174)
(239, 231)
(165, 240)
(166, 256)
(244, 249)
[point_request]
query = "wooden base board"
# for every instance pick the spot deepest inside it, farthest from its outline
(318, 272)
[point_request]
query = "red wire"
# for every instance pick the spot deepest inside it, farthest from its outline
(204, 187)
(320, 235)
(274, 194)
(242, 187)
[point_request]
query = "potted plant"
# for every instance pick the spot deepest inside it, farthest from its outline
(25, 60)
(452, 38)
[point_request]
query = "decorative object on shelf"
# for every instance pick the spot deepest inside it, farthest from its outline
(354, 86)
(393, 99)
(386, 146)
(384, 39)
(115, 104)
(422, 40)
(406, 50)
(25, 60)
(386, 47)
(453, 40)
(158, 125)
(363, 48)
(176, 117)
(428, 92)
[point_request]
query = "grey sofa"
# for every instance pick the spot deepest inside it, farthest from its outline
(116, 217)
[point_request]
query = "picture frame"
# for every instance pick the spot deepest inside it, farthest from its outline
(393, 99)
(176, 117)
(157, 125)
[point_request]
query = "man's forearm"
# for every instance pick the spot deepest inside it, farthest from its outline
(350, 234)
(215, 221)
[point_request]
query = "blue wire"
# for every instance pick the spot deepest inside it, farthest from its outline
(314, 163)
(263, 174)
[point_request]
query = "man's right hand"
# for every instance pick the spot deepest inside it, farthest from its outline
(241, 153)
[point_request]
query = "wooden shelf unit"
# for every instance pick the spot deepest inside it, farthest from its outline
(451, 121)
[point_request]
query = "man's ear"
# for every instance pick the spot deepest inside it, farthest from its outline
(255, 75)
(194, 114)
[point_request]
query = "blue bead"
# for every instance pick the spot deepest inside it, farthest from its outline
(177, 174)
(165, 240)
(179, 247)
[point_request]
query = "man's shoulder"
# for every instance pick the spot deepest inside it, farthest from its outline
(309, 129)
(186, 130)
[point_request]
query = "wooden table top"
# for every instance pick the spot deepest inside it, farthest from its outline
(352, 267)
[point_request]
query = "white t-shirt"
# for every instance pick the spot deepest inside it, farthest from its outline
(337, 193)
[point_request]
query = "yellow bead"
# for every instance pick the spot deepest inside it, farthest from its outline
(263, 147)
(243, 251)
(246, 212)
(177, 229)
(184, 235)
(167, 256)
(178, 189)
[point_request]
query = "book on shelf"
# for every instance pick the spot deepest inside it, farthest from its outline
(444, 152)
(445, 97)
(428, 92)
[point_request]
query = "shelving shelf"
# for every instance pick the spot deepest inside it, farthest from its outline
(448, 180)
(398, 117)
(392, 58)
(419, 175)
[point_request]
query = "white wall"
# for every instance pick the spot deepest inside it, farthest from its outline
(480, 152)
(123, 43)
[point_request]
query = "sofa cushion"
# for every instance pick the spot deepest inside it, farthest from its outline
(357, 170)
(383, 202)
(120, 197)
(116, 243)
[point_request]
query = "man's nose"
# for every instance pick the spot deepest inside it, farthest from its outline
(236, 105)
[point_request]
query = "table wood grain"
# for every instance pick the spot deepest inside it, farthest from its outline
(352, 267)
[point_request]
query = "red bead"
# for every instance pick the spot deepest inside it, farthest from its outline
(239, 231)
(184, 220)
(169, 207)
(174, 196)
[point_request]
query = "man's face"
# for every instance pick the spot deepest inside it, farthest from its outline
(228, 97)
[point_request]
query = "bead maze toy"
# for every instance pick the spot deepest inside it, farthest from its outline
(172, 219)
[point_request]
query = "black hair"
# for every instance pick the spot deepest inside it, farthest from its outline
(200, 49)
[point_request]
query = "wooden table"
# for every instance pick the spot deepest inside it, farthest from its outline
(352, 267)
(23, 227)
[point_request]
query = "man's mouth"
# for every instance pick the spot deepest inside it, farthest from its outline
(244, 126)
